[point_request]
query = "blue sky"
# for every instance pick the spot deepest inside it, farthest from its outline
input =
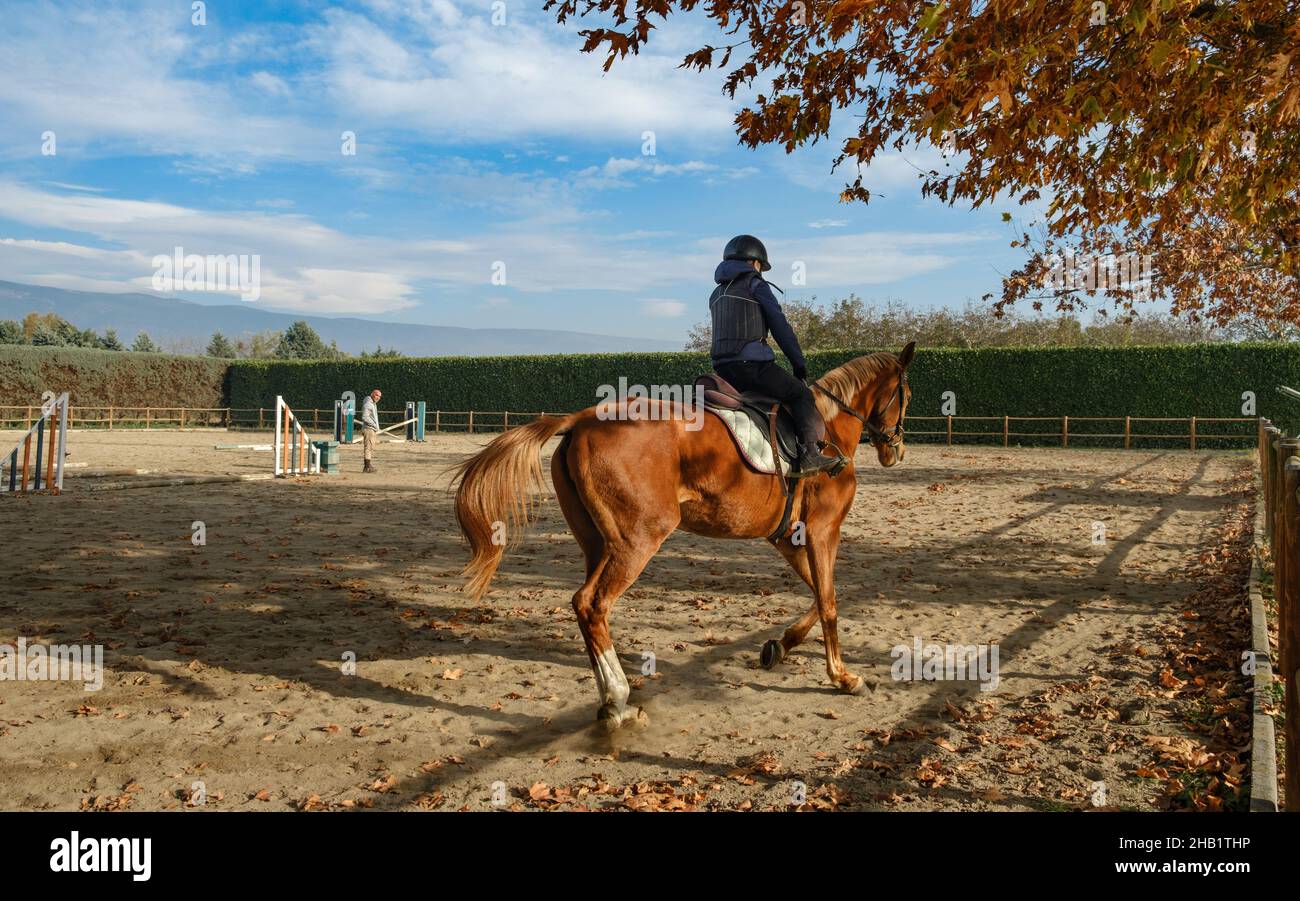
(478, 145)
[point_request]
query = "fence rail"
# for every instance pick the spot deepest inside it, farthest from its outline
(1194, 431)
(1066, 428)
(1279, 468)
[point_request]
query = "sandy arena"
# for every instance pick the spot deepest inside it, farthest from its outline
(225, 685)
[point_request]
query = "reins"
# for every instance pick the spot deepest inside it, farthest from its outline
(894, 437)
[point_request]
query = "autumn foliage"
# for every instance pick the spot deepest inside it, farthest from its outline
(1161, 127)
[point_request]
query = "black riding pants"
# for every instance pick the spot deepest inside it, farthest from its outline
(769, 378)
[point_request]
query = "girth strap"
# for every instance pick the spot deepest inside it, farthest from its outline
(790, 487)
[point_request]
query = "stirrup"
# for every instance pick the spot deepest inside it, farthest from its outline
(841, 461)
(831, 463)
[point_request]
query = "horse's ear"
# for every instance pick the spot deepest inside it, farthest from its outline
(906, 356)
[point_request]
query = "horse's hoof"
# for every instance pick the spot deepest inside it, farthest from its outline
(772, 654)
(853, 684)
(612, 717)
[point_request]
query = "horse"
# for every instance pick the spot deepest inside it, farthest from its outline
(624, 486)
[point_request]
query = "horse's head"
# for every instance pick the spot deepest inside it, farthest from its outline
(885, 421)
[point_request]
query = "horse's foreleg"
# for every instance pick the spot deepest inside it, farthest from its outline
(774, 651)
(823, 546)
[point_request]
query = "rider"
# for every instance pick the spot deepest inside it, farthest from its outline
(744, 311)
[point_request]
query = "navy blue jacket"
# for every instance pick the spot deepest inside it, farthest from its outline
(757, 351)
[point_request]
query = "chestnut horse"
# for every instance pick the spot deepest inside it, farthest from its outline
(624, 486)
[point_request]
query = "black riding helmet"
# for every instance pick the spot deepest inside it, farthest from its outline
(747, 247)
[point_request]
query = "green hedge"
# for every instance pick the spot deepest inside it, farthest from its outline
(1174, 381)
(1170, 381)
(104, 378)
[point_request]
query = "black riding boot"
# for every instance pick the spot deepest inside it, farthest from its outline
(811, 461)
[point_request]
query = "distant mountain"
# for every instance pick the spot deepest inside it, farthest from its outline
(177, 324)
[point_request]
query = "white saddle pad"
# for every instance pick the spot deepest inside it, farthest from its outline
(753, 442)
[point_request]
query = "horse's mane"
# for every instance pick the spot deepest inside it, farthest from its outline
(845, 381)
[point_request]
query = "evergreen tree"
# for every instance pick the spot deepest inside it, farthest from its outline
(380, 354)
(300, 342)
(220, 346)
(110, 341)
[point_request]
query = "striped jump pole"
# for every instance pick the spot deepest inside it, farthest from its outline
(47, 474)
(294, 452)
(345, 411)
(415, 416)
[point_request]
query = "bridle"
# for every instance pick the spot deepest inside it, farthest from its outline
(892, 438)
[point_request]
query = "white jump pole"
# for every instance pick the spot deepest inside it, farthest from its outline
(294, 452)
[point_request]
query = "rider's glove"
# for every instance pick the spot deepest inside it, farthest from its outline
(801, 372)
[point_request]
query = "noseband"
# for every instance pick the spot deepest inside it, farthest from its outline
(892, 438)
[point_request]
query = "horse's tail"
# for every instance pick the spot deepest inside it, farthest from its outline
(494, 487)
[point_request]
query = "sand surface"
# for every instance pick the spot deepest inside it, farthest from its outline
(225, 684)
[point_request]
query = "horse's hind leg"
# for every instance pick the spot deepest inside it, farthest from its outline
(575, 512)
(619, 567)
(615, 559)
(593, 545)
(774, 651)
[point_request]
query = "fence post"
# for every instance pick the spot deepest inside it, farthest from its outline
(1285, 589)
(1127, 432)
(471, 422)
(110, 419)
(1065, 431)
(437, 420)
(182, 418)
(148, 417)
(1270, 480)
(1261, 454)
(506, 422)
(1193, 433)
(1006, 421)
(950, 431)
(54, 447)
(1282, 449)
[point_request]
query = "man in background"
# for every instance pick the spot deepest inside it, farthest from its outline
(370, 427)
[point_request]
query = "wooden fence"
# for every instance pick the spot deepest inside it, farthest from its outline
(1279, 467)
(261, 419)
(1193, 431)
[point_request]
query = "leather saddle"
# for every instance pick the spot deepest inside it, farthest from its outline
(759, 407)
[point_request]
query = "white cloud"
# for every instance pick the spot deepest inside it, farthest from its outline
(465, 80)
(70, 187)
(828, 223)
(270, 84)
(612, 173)
(144, 79)
(111, 77)
(663, 308)
(308, 266)
(846, 261)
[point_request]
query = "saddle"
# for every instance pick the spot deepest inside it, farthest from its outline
(768, 415)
